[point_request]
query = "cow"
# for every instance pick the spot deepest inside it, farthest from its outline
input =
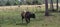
(27, 15)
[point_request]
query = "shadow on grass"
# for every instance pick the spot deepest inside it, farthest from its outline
(24, 24)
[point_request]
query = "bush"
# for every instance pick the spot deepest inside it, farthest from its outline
(36, 2)
(8, 3)
(28, 3)
(15, 4)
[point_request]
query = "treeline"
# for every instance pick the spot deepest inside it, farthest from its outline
(21, 2)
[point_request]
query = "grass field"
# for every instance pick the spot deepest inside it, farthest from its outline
(9, 17)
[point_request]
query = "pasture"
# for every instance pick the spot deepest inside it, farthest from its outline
(10, 17)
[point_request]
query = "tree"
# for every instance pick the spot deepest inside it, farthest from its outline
(57, 5)
(35, 2)
(51, 5)
(16, 2)
(46, 8)
(8, 3)
(28, 3)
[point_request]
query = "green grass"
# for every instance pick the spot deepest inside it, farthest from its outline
(9, 18)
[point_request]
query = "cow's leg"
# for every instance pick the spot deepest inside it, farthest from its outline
(27, 20)
(22, 19)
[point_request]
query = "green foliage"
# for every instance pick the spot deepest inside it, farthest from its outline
(28, 3)
(35, 2)
(8, 3)
(16, 1)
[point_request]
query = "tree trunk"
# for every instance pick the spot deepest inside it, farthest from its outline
(46, 8)
(57, 5)
(51, 5)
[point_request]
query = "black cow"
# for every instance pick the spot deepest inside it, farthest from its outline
(27, 15)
